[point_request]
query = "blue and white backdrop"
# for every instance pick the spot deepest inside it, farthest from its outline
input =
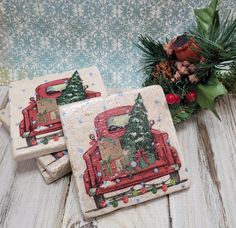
(47, 36)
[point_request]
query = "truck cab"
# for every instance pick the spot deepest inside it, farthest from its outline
(39, 125)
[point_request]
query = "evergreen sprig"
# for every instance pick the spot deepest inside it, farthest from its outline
(227, 75)
(220, 47)
(183, 112)
(153, 52)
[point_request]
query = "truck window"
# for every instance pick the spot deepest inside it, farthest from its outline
(55, 88)
(117, 122)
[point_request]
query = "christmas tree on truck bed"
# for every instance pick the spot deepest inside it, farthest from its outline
(138, 136)
(74, 91)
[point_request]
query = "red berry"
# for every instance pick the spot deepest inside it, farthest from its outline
(170, 98)
(103, 203)
(191, 96)
(177, 99)
(164, 187)
(125, 199)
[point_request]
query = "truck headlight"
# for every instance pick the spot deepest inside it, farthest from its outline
(92, 191)
(176, 167)
(25, 134)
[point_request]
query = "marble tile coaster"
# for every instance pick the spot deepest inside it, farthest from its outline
(52, 166)
(123, 150)
(4, 117)
(48, 178)
(34, 119)
(55, 164)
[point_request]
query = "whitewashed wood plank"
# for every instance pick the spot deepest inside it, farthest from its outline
(201, 205)
(72, 216)
(222, 135)
(25, 200)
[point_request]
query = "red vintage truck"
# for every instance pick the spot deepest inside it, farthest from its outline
(112, 124)
(31, 126)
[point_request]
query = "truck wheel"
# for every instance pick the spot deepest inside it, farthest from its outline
(175, 176)
(31, 141)
(98, 200)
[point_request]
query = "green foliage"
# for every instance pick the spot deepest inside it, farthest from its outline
(216, 40)
(227, 75)
(182, 112)
(207, 93)
(74, 91)
(216, 70)
(153, 52)
(207, 19)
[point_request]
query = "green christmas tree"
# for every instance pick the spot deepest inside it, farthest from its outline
(138, 135)
(73, 92)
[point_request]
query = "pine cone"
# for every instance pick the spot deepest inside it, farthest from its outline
(193, 78)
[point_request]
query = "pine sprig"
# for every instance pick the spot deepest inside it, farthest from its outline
(220, 47)
(182, 112)
(153, 52)
(227, 75)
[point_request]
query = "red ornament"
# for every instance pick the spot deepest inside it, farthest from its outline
(143, 190)
(170, 98)
(103, 203)
(55, 138)
(125, 199)
(164, 187)
(191, 96)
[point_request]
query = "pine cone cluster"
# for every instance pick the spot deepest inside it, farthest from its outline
(175, 71)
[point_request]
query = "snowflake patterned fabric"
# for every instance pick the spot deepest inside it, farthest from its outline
(40, 37)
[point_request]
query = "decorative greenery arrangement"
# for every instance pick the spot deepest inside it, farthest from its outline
(196, 68)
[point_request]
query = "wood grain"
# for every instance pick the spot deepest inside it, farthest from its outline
(209, 151)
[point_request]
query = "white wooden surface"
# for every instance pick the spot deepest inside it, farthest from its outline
(209, 150)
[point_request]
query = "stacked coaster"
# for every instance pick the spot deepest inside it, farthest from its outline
(36, 127)
(122, 148)
(52, 166)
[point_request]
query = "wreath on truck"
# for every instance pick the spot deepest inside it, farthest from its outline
(195, 68)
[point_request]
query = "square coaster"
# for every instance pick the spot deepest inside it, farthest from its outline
(52, 166)
(4, 117)
(123, 150)
(56, 163)
(48, 178)
(34, 119)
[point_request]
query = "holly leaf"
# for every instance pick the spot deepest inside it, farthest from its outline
(207, 93)
(207, 19)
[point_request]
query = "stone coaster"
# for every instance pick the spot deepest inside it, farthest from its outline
(56, 163)
(123, 150)
(48, 178)
(34, 118)
(4, 117)
(52, 166)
